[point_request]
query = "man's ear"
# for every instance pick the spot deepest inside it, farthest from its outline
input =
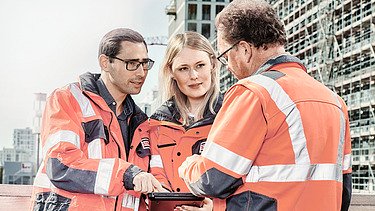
(246, 50)
(104, 62)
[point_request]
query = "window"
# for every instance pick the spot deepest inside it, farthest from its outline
(192, 12)
(206, 12)
(219, 8)
(206, 30)
(192, 27)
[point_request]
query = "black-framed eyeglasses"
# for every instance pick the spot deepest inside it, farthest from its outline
(223, 58)
(133, 65)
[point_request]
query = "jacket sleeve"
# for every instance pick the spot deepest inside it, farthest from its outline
(347, 164)
(66, 155)
(156, 161)
(228, 156)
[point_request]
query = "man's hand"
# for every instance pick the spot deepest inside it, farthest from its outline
(146, 183)
(207, 206)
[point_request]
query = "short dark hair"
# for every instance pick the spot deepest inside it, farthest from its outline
(110, 45)
(253, 21)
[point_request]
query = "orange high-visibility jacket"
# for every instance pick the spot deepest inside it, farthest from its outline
(84, 161)
(171, 142)
(281, 141)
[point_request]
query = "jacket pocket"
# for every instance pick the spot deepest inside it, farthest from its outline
(249, 200)
(95, 129)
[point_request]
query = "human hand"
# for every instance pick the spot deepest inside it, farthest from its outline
(207, 206)
(146, 183)
(185, 164)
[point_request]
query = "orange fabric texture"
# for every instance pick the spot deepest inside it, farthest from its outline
(65, 141)
(285, 138)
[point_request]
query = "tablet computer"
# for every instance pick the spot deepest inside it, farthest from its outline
(168, 201)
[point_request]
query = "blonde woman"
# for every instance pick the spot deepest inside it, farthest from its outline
(190, 92)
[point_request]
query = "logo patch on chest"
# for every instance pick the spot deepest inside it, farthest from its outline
(145, 143)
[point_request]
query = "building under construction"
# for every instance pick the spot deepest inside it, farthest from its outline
(335, 40)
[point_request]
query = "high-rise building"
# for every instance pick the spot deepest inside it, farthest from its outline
(194, 15)
(24, 139)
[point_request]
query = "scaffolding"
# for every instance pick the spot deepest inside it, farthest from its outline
(335, 39)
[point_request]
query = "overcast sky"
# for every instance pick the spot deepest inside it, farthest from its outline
(46, 44)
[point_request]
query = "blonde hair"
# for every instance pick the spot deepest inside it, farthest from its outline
(168, 86)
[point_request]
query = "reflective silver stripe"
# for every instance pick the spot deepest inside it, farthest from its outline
(347, 162)
(94, 149)
(340, 147)
(293, 116)
(156, 161)
(83, 101)
(103, 177)
(226, 158)
(130, 201)
(293, 173)
(61, 136)
(41, 179)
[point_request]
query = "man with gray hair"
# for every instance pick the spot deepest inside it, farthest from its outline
(95, 139)
(281, 140)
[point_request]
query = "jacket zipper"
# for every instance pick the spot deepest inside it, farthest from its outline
(118, 149)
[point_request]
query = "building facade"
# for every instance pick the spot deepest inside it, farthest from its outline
(24, 140)
(190, 15)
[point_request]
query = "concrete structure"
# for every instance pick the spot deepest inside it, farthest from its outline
(190, 15)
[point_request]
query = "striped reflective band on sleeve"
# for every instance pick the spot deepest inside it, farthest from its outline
(104, 175)
(61, 136)
(95, 149)
(226, 158)
(130, 201)
(340, 148)
(347, 162)
(41, 179)
(293, 116)
(83, 101)
(156, 161)
(294, 173)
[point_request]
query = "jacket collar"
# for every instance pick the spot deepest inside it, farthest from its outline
(284, 58)
(168, 112)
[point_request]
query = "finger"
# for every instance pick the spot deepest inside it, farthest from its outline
(150, 187)
(156, 184)
(144, 185)
(136, 184)
(190, 208)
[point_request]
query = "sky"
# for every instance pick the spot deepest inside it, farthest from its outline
(46, 44)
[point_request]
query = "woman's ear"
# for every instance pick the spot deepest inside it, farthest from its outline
(213, 63)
